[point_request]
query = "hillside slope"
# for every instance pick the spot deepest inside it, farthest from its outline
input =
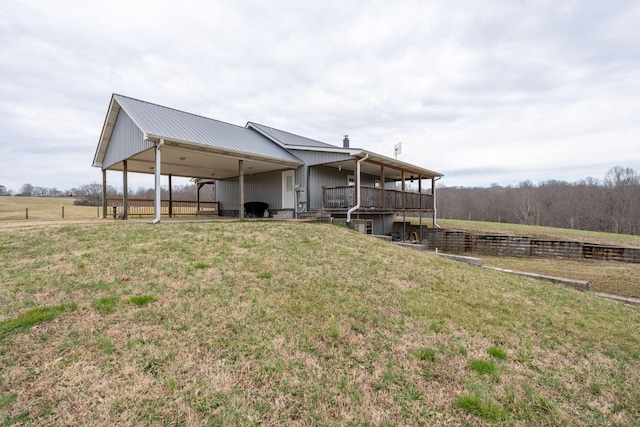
(271, 323)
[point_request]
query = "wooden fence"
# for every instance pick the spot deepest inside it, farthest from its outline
(146, 207)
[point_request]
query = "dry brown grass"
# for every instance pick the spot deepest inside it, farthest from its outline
(616, 278)
(43, 209)
(296, 324)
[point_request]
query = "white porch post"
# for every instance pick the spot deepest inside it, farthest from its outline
(241, 189)
(125, 191)
(104, 193)
(157, 172)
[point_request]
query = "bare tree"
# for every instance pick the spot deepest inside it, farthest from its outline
(622, 184)
(92, 193)
(26, 190)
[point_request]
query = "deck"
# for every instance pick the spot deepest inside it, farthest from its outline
(375, 199)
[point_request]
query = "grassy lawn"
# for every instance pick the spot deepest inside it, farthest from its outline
(43, 208)
(268, 323)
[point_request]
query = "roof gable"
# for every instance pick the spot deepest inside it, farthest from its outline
(168, 123)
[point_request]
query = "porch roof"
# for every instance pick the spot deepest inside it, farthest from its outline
(395, 166)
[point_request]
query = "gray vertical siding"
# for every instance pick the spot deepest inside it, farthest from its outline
(263, 187)
(126, 140)
(312, 158)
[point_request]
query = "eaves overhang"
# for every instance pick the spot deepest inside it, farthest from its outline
(398, 165)
(107, 130)
(194, 146)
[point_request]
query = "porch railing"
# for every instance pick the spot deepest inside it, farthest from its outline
(375, 198)
(146, 207)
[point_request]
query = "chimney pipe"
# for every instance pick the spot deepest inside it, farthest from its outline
(345, 141)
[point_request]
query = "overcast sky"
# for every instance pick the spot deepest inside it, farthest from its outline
(481, 91)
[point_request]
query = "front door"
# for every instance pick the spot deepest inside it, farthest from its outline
(287, 189)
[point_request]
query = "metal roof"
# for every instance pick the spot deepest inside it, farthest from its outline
(287, 139)
(264, 147)
(177, 125)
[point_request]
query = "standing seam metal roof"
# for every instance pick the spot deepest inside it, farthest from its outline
(175, 124)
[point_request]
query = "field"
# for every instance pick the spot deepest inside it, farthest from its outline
(270, 323)
(44, 208)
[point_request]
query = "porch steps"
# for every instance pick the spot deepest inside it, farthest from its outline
(283, 214)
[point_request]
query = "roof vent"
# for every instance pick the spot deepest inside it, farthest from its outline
(345, 141)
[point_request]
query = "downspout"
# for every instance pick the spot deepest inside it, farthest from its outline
(158, 201)
(435, 212)
(357, 206)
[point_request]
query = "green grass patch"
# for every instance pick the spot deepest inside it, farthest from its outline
(476, 406)
(141, 300)
(497, 352)
(428, 354)
(485, 367)
(106, 344)
(105, 305)
(32, 318)
(5, 401)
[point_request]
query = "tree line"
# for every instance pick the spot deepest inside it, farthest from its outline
(611, 205)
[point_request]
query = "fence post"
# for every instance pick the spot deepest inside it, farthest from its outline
(98, 210)
(26, 214)
(62, 211)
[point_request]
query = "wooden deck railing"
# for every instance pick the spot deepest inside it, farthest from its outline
(375, 198)
(146, 207)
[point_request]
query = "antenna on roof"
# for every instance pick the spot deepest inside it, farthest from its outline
(397, 149)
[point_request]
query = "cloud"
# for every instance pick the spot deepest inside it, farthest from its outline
(481, 91)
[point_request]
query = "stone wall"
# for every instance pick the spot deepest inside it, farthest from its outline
(493, 244)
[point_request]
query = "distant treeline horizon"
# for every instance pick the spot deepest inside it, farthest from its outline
(610, 205)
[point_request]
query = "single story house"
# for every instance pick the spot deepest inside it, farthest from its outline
(291, 174)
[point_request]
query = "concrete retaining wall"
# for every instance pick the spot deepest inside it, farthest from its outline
(492, 244)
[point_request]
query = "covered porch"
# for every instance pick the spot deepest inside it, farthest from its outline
(382, 184)
(167, 158)
(141, 137)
